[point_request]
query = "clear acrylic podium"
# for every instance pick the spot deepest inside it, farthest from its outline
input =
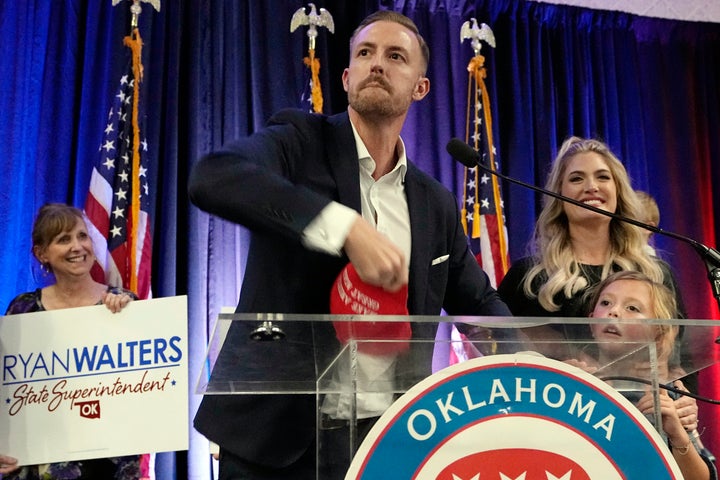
(265, 354)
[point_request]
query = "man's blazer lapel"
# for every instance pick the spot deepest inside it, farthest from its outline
(341, 154)
(421, 231)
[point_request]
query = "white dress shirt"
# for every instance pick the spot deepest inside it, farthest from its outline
(384, 205)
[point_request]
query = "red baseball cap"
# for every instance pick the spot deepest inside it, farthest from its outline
(351, 296)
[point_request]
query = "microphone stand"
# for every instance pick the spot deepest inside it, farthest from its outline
(468, 156)
(267, 331)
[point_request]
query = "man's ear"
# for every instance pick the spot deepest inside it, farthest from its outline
(422, 88)
(344, 79)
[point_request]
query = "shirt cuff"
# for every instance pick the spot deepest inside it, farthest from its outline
(328, 231)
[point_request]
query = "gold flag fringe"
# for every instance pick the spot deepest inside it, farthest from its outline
(314, 65)
(134, 42)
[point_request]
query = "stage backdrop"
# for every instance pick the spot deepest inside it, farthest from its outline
(215, 70)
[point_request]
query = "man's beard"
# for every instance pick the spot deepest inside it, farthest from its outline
(370, 102)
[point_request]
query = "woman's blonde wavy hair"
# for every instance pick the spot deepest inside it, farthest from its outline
(551, 240)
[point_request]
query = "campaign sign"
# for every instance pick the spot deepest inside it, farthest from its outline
(85, 383)
(513, 417)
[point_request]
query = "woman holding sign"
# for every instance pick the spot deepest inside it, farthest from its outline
(62, 245)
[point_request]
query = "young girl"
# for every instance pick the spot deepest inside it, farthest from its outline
(626, 296)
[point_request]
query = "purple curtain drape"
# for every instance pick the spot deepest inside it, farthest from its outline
(215, 70)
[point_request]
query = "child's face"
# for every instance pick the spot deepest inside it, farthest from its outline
(627, 300)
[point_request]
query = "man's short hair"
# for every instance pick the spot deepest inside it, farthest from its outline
(390, 16)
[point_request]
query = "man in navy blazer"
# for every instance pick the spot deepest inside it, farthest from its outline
(316, 192)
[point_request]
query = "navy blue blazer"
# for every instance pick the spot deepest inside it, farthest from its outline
(275, 182)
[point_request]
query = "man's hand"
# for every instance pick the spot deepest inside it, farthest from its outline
(377, 260)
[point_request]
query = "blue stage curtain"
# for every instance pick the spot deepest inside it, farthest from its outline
(216, 70)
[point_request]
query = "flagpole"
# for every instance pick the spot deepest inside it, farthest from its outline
(313, 20)
(481, 101)
(134, 43)
(479, 74)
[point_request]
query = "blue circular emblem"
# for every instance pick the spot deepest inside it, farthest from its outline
(516, 417)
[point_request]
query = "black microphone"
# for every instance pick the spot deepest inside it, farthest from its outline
(468, 156)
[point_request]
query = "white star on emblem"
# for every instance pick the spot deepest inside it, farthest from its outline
(485, 203)
(108, 146)
(123, 80)
(550, 476)
(109, 163)
(109, 128)
(121, 96)
(505, 477)
(118, 212)
(471, 184)
(142, 171)
(123, 176)
(484, 178)
(470, 201)
(121, 194)
(116, 231)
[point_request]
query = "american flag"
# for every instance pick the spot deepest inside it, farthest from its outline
(482, 199)
(306, 102)
(482, 207)
(118, 198)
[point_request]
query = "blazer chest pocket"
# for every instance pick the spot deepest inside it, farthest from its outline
(439, 260)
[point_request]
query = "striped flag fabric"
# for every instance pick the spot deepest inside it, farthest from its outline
(484, 208)
(118, 199)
